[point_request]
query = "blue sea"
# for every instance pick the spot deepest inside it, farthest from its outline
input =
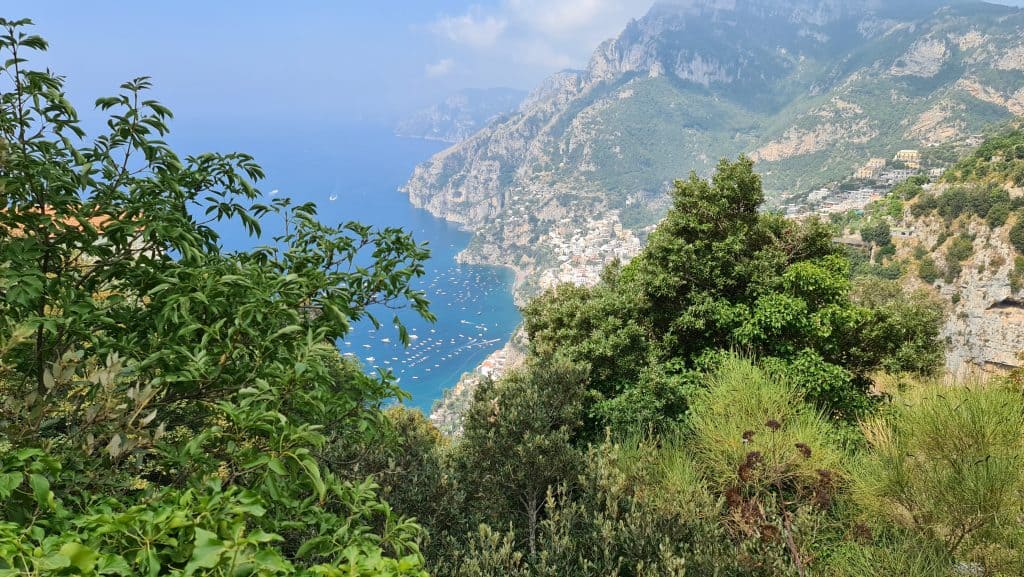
(361, 168)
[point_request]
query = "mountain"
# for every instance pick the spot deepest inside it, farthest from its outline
(461, 114)
(810, 90)
(963, 240)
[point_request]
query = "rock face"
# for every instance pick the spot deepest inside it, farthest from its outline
(811, 88)
(461, 115)
(984, 328)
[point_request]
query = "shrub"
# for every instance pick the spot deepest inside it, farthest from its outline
(876, 231)
(1017, 234)
(960, 249)
(928, 271)
(997, 215)
(770, 455)
(945, 464)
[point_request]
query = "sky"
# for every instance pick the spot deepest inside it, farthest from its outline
(317, 61)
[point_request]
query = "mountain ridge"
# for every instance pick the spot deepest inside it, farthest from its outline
(809, 90)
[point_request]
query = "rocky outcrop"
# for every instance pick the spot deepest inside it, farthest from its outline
(984, 326)
(925, 59)
(810, 89)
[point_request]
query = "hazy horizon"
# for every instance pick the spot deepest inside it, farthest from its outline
(319, 62)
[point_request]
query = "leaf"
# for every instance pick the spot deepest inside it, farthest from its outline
(286, 331)
(114, 446)
(80, 556)
(148, 418)
(113, 565)
(313, 472)
(8, 483)
(277, 466)
(206, 551)
(41, 489)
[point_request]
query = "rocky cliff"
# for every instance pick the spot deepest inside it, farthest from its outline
(809, 89)
(984, 327)
(955, 239)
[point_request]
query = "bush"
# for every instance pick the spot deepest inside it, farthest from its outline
(997, 215)
(928, 271)
(876, 231)
(959, 250)
(1017, 234)
(945, 464)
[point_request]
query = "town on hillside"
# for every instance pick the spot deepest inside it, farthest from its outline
(869, 183)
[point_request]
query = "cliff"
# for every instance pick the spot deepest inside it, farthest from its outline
(809, 89)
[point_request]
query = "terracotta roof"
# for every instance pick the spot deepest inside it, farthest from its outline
(98, 222)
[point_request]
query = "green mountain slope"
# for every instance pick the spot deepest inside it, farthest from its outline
(809, 89)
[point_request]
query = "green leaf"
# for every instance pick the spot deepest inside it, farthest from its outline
(41, 489)
(80, 556)
(277, 466)
(286, 331)
(8, 483)
(206, 551)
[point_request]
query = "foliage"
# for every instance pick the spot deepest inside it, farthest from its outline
(1000, 159)
(164, 406)
(960, 249)
(945, 462)
(990, 202)
(877, 232)
(716, 276)
(928, 271)
(518, 442)
(1017, 234)
(908, 325)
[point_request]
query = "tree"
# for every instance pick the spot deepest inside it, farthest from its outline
(716, 276)
(163, 404)
(1017, 234)
(519, 443)
(876, 231)
(927, 270)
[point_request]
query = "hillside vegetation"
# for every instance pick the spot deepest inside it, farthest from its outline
(742, 399)
(963, 238)
(809, 90)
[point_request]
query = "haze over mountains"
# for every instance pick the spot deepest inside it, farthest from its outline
(809, 89)
(461, 115)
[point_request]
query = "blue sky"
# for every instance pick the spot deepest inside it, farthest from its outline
(324, 60)
(317, 61)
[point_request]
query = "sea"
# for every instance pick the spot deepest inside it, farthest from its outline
(353, 172)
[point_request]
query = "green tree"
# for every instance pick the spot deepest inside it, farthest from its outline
(164, 405)
(928, 271)
(876, 231)
(519, 442)
(716, 276)
(1017, 234)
